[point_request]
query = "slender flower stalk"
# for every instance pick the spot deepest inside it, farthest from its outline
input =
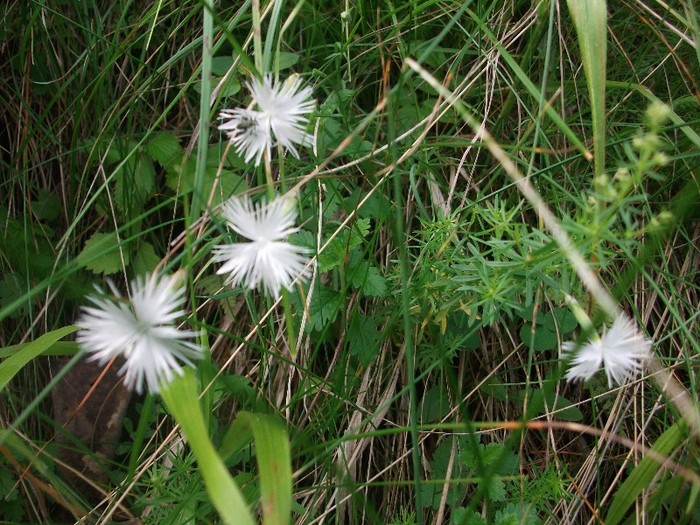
(282, 117)
(140, 329)
(622, 351)
(267, 259)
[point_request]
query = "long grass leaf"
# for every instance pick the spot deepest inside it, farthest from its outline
(590, 19)
(274, 465)
(643, 473)
(15, 362)
(181, 398)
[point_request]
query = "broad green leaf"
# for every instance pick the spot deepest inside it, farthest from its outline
(47, 207)
(644, 473)
(26, 352)
(435, 405)
(25, 247)
(165, 149)
(181, 398)
(542, 339)
(375, 283)
(220, 65)
(324, 308)
(145, 259)
(134, 184)
(100, 254)
(560, 407)
(12, 287)
(225, 183)
(363, 338)
(565, 320)
(285, 60)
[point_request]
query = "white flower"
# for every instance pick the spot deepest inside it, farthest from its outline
(622, 350)
(142, 330)
(285, 108)
(282, 115)
(267, 259)
(248, 131)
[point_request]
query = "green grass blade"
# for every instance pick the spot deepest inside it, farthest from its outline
(533, 90)
(642, 475)
(198, 197)
(181, 398)
(15, 362)
(590, 19)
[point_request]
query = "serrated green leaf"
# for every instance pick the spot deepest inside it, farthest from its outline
(324, 308)
(363, 338)
(101, 254)
(304, 239)
(375, 283)
(24, 247)
(165, 149)
(464, 516)
(135, 183)
(435, 405)
(358, 271)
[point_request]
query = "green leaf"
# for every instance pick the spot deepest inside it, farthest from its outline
(165, 149)
(146, 259)
(375, 283)
(61, 348)
(363, 338)
(135, 183)
(464, 516)
(100, 254)
(182, 400)
(230, 87)
(558, 406)
(543, 338)
(645, 471)
(435, 405)
(342, 244)
(12, 287)
(324, 308)
(590, 19)
(565, 320)
(226, 184)
(220, 65)
(47, 207)
(285, 60)
(26, 352)
(274, 465)
(25, 247)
